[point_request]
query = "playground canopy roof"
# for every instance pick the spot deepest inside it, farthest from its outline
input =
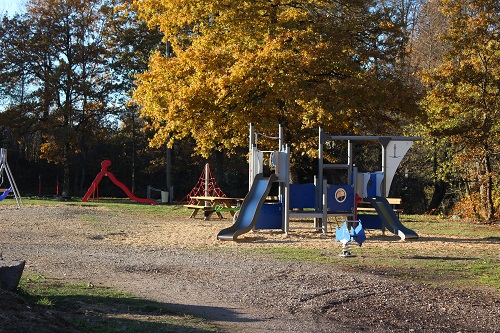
(384, 140)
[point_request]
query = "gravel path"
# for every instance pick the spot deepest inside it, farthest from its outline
(237, 290)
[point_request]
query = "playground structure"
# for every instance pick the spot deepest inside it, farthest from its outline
(206, 186)
(4, 167)
(373, 188)
(254, 214)
(320, 199)
(94, 187)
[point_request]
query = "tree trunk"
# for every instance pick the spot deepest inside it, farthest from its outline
(83, 169)
(440, 186)
(488, 195)
(438, 195)
(294, 175)
(65, 188)
(218, 171)
(133, 152)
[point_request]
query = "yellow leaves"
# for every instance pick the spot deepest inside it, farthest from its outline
(260, 61)
(464, 89)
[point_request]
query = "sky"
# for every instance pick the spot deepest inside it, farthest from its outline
(11, 6)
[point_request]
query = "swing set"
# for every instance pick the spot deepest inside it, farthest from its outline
(4, 167)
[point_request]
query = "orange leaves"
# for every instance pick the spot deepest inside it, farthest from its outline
(302, 64)
(463, 104)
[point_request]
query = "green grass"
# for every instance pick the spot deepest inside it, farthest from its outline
(98, 309)
(434, 225)
(129, 207)
(443, 269)
(471, 266)
(123, 206)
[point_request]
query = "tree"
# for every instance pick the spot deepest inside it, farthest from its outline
(463, 103)
(428, 46)
(55, 58)
(427, 50)
(66, 74)
(301, 64)
(73, 94)
(130, 43)
(15, 84)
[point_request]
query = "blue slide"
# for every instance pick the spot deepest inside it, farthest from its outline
(250, 208)
(389, 219)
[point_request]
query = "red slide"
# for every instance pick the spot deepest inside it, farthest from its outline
(104, 172)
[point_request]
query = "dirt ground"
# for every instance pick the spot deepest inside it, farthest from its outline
(179, 262)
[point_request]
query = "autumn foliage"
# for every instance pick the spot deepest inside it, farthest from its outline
(301, 64)
(82, 80)
(463, 101)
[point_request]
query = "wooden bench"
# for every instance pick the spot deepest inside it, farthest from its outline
(208, 210)
(396, 205)
(394, 202)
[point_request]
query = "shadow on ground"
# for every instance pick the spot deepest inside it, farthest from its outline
(25, 311)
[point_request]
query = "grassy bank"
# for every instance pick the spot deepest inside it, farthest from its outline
(101, 309)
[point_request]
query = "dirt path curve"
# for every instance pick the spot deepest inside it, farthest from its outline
(235, 289)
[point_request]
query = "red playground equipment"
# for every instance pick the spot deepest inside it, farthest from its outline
(93, 189)
(206, 186)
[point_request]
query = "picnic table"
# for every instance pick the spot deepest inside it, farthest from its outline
(210, 205)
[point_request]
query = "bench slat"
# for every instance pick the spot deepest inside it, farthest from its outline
(370, 209)
(199, 207)
(394, 201)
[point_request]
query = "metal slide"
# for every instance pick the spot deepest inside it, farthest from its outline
(390, 220)
(250, 208)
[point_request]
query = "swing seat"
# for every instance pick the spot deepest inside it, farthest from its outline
(5, 193)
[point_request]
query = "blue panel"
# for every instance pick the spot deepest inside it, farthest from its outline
(340, 198)
(372, 186)
(374, 189)
(270, 217)
(302, 195)
(370, 221)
